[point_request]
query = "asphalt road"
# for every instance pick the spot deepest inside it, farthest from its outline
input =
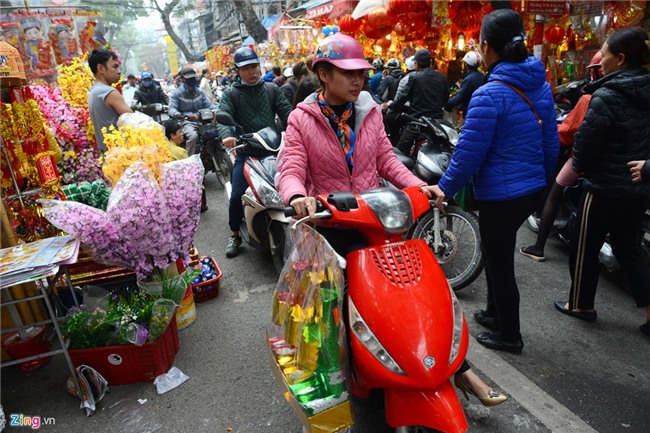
(572, 376)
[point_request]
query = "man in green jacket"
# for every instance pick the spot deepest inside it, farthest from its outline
(253, 104)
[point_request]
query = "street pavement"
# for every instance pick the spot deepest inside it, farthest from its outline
(573, 376)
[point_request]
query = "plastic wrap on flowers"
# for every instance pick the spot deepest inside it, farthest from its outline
(307, 336)
(137, 138)
(92, 227)
(181, 184)
(138, 230)
(135, 215)
(137, 120)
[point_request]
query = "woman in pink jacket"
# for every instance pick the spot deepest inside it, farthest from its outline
(335, 142)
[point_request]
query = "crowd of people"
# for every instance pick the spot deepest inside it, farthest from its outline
(340, 113)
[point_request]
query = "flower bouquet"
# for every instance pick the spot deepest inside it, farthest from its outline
(137, 138)
(147, 225)
(130, 316)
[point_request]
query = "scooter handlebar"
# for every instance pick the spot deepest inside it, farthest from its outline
(291, 212)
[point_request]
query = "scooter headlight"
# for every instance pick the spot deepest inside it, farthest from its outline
(392, 208)
(458, 326)
(268, 195)
(368, 339)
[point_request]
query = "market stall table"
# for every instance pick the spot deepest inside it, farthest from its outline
(43, 262)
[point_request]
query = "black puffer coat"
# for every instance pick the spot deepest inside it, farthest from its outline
(616, 129)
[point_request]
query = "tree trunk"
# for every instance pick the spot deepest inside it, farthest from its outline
(253, 24)
(164, 15)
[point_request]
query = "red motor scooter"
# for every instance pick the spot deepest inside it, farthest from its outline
(407, 332)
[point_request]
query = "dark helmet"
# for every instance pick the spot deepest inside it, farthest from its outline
(245, 56)
(393, 64)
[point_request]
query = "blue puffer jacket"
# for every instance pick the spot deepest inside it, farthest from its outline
(502, 145)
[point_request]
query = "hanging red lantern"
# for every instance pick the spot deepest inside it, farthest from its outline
(397, 7)
(554, 35)
(379, 17)
(383, 43)
(402, 28)
(347, 24)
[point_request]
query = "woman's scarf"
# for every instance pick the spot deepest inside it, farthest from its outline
(344, 133)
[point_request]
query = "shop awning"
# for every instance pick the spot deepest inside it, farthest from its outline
(318, 8)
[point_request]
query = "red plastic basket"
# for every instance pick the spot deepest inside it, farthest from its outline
(207, 289)
(130, 363)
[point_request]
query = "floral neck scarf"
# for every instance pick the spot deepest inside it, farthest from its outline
(344, 133)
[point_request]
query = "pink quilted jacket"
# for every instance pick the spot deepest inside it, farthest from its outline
(312, 161)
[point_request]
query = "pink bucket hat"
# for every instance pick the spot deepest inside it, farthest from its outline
(342, 51)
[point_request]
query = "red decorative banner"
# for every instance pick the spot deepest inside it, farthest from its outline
(47, 171)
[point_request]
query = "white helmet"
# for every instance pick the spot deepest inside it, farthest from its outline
(472, 58)
(410, 63)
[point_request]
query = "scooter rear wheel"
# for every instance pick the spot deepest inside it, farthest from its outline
(460, 255)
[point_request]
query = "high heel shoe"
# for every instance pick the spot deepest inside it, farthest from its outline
(494, 397)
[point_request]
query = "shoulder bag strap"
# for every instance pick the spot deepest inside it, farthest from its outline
(525, 98)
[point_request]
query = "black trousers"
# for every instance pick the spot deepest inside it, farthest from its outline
(498, 224)
(406, 141)
(621, 217)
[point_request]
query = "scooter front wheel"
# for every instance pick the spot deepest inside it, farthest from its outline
(459, 250)
(223, 167)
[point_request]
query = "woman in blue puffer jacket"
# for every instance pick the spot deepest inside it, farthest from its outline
(508, 147)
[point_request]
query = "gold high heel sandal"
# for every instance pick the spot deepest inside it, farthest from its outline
(494, 398)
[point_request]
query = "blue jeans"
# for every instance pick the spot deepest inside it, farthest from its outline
(239, 186)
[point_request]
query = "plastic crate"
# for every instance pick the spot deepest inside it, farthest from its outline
(130, 363)
(207, 289)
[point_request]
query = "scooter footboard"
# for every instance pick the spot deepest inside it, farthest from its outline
(438, 408)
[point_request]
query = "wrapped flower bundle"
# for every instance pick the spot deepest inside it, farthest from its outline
(137, 137)
(147, 225)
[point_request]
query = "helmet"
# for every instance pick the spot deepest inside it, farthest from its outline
(245, 56)
(594, 66)
(342, 51)
(187, 72)
(393, 64)
(410, 63)
(472, 58)
(377, 63)
(596, 59)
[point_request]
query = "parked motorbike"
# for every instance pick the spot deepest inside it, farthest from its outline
(391, 279)
(453, 237)
(214, 155)
(563, 229)
(264, 226)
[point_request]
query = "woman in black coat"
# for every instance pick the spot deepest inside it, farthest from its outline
(616, 130)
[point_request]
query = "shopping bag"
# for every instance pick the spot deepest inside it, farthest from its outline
(306, 335)
(465, 197)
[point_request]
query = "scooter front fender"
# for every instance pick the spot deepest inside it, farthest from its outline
(438, 408)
